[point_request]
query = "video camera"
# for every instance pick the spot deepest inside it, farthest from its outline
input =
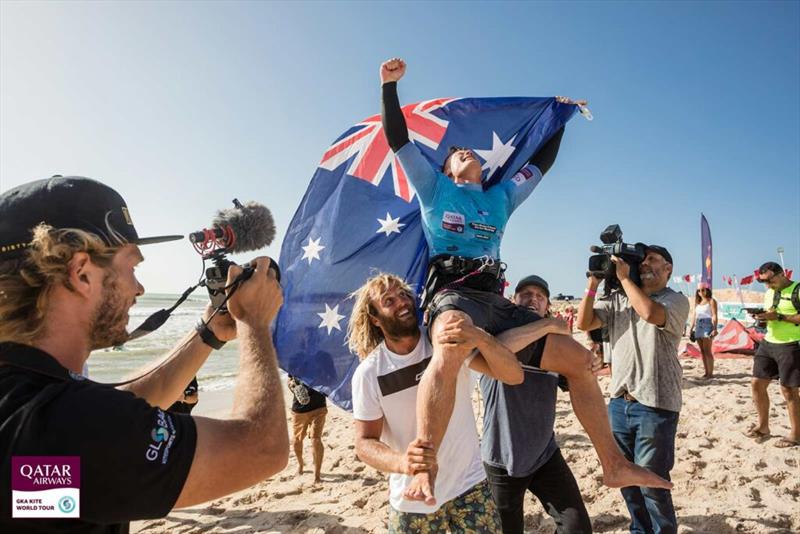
(601, 266)
(243, 228)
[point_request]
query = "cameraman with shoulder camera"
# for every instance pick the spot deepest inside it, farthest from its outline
(645, 325)
(778, 355)
(68, 251)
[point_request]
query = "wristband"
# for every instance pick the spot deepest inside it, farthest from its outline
(590, 292)
(781, 317)
(208, 336)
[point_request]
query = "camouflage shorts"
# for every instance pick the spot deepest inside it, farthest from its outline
(472, 511)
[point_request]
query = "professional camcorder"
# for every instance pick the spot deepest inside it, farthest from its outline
(601, 266)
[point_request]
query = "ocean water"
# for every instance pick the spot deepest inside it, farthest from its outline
(113, 365)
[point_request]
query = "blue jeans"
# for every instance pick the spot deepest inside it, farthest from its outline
(647, 438)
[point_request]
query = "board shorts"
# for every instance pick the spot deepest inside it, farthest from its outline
(491, 312)
(778, 360)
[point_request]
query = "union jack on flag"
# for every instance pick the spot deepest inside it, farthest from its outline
(368, 143)
(354, 220)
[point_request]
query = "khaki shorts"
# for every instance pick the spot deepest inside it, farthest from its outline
(302, 421)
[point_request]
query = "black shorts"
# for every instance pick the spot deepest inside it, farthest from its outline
(778, 360)
(492, 312)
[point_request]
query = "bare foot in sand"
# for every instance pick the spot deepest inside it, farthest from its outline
(421, 489)
(630, 474)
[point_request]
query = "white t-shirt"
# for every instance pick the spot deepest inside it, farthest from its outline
(385, 386)
(702, 311)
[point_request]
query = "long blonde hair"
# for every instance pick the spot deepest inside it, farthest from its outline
(26, 283)
(362, 335)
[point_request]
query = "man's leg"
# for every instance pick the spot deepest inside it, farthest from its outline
(761, 402)
(317, 448)
(555, 487)
(625, 435)
(655, 450)
(568, 358)
(508, 494)
(299, 432)
(793, 406)
(435, 400)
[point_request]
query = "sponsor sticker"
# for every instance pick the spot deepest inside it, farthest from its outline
(45, 486)
(482, 237)
(483, 227)
(162, 437)
(522, 176)
(454, 222)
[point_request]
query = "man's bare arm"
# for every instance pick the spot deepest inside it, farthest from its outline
(372, 451)
(166, 385)
(587, 320)
(253, 443)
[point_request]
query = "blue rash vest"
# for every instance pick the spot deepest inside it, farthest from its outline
(463, 219)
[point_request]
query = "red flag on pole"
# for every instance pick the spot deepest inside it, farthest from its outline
(687, 277)
(788, 273)
(746, 280)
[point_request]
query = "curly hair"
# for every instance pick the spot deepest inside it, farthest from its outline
(362, 335)
(26, 283)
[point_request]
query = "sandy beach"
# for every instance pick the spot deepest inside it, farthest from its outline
(724, 482)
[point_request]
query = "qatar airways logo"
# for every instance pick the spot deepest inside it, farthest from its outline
(45, 486)
(47, 475)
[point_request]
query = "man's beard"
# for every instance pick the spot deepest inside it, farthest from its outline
(110, 322)
(394, 328)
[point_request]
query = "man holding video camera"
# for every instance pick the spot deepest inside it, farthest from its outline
(778, 355)
(645, 323)
(68, 251)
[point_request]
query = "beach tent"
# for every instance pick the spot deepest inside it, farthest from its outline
(733, 338)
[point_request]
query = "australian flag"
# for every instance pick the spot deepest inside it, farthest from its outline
(360, 216)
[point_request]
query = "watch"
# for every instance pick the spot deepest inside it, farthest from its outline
(781, 317)
(208, 336)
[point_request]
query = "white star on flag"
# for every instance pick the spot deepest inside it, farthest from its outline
(311, 251)
(389, 225)
(331, 318)
(498, 155)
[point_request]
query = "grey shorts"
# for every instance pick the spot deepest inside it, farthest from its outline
(490, 311)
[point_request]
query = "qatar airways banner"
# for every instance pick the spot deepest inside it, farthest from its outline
(45, 486)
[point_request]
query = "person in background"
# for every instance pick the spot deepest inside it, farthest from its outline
(704, 324)
(309, 408)
(518, 460)
(778, 355)
(189, 400)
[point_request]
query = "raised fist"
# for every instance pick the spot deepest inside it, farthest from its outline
(392, 70)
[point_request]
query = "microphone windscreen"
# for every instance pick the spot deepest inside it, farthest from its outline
(252, 224)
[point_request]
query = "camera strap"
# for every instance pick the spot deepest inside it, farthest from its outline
(157, 319)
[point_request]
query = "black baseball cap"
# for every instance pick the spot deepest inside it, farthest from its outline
(533, 280)
(661, 251)
(65, 202)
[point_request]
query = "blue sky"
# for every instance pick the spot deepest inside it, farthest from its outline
(183, 106)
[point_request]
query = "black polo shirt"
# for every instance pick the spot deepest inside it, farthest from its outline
(134, 458)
